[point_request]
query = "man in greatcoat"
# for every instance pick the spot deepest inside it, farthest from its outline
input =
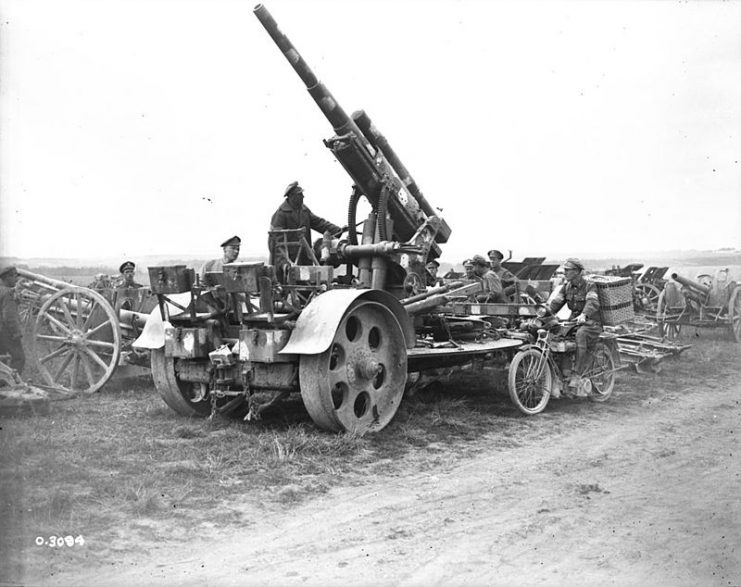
(293, 214)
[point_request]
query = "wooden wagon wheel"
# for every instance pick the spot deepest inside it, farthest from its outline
(734, 312)
(668, 325)
(77, 340)
(649, 295)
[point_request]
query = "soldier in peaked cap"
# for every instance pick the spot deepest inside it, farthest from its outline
(468, 269)
(432, 279)
(293, 214)
(11, 334)
(231, 252)
(126, 279)
(581, 298)
(505, 275)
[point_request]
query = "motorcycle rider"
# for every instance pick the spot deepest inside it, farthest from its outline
(581, 298)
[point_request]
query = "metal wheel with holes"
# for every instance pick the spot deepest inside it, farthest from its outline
(76, 340)
(181, 396)
(530, 381)
(734, 312)
(356, 385)
(649, 295)
(601, 373)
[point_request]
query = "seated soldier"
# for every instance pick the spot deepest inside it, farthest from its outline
(491, 282)
(432, 279)
(509, 281)
(581, 298)
(231, 251)
(293, 214)
(468, 270)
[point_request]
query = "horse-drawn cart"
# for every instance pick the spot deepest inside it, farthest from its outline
(80, 336)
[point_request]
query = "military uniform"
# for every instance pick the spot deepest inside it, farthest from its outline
(286, 217)
(11, 334)
(580, 297)
(492, 284)
(217, 265)
(120, 280)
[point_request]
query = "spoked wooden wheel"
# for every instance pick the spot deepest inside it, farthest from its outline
(357, 384)
(77, 340)
(734, 312)
(667, 318)
(529, 381)
(602, 373)
(649, 295)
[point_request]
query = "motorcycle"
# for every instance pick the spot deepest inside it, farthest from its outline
(541, 369)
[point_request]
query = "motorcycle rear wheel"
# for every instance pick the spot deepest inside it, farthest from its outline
(601, 373)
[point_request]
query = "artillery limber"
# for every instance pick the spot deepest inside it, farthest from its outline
(79, 336)
(707, 303)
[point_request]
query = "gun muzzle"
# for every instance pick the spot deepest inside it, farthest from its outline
(688, 283)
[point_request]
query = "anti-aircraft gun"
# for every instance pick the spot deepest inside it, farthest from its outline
(400, 212)
(256, 333)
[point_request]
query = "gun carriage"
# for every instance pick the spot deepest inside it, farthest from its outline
(343, 329)
(79, 336)
(707, 303)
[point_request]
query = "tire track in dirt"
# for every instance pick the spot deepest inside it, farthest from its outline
(648, 497)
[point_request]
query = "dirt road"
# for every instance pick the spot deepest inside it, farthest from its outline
(650, 496)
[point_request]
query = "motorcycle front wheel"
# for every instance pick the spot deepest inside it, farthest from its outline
(530, 380)
(602, 373)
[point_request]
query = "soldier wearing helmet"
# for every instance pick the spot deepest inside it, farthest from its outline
(581, 298)
(11, 335)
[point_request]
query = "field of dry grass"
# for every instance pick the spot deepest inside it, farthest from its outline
(123, 471)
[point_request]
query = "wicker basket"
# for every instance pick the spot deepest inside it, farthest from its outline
(615, 298)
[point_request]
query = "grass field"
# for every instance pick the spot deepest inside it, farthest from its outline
(124, 471)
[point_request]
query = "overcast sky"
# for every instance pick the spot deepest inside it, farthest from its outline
(163, 126)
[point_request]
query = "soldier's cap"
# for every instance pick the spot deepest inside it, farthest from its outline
(292, 187)
(125, 266)
(234, 241)
(497, 253)
(479, 260)
(468, 263)
(433, 262)
(5, 269)
(573, 263)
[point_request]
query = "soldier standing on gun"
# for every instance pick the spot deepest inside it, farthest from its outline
(581, 298)
(11, 335)
(231, 252)
(292, 214)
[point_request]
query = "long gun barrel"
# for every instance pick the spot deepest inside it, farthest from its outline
(688, 283)
(364, 153)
